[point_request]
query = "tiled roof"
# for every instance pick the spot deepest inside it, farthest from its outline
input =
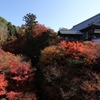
(93, 20)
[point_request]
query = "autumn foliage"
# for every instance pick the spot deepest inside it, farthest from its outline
(52, 54)
(88, 52)
(39, 29)
(35, 64)
(80, 50)
(31, 45)
(3, 84)
(16, 75)
(69, 71)
(18, 46)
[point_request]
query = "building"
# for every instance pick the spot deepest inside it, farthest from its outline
(86, 30)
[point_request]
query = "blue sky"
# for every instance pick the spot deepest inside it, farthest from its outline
(51, 13)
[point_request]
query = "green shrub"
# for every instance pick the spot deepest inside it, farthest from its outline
(3, 33)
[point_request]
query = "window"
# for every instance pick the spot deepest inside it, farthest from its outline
(97, 31)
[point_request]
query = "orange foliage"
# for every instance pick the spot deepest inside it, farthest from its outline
(39, 29)
(17, 45)
(3, 84)
(11, 95)
(15, 74)
(78, 50)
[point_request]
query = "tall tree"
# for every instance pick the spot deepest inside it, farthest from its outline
(62, 28)
(30, 21)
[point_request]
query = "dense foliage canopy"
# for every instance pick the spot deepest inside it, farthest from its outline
(35, 64)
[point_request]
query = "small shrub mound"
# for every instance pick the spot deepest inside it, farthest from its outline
(52, 54)
(16, 77)
(70, 71)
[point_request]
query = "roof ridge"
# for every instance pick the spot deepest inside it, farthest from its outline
(87, 19)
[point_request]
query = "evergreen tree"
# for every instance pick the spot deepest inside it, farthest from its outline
(30, 21)
(12, 29)
(4, 21)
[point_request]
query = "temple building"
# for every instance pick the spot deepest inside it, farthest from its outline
(86, 30)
